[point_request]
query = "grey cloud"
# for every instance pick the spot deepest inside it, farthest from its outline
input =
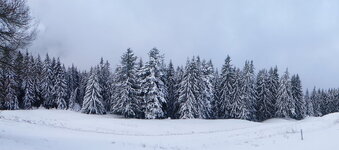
(299, 34)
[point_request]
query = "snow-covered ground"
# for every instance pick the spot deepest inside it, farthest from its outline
(63, 130)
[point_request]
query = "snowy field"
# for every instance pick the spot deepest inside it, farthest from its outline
(62, 130)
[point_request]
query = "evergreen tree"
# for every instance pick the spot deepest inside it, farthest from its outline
(126, 101)
(38, 80)
(316, 101)
(239, 107)
(60, 86)
(297, 95)
(179, 76)
(104, 75)
(285, 102)
(8, 98)
(152, 87)
(216, 100)
(244, 94)
(273, 85)
(73, 81)
(265, 104)
(309, 104)
(29, 87)
(227, 89)
(189, 92)
(207, 95)
(171, 91)
(82, 86)
(19, 69)
(47, 83)
(93, 99)
(73, 105)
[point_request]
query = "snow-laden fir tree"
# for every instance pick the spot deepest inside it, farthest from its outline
(245, 95)
(37, 80)
(226, 89)
(60, 86)
(273, 86)
(29, 86)
(207, 95)
(104, 75)
(8, 98)
(216, 95)
(19, 69)
(309, 104)
(248, 92)
(47, 83)
(189, 92)
(285, 103)
(316, 101)
(152, 87)
(72, 102)
(73, 80)
(171, 91)
(82, 86)
(265, 105)
(327, 104)
(92, 103)
(297, 95)
(179, 76)
(126, 99)
(239, 107)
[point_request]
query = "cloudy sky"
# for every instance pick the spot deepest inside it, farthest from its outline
(302, 35)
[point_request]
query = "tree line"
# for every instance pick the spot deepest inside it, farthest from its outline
(150, 90)
(155, 90)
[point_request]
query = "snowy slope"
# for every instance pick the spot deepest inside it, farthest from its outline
(60, 129)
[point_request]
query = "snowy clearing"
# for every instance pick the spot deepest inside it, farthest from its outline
(60, 129)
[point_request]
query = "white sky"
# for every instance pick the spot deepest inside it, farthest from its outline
(302, 35)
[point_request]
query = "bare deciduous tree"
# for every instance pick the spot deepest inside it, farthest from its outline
(16, 28)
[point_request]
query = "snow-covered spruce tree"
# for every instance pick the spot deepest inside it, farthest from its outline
(73, 81)
(152, 87)
(297, 95)
(179, 76)
(309, 104)
(8, 92)
(72, 102)
(93, 99)
(189, 92)
(317, 102)
(48, 83)
(239, 108)
(104, 75)
(265, 105)
(326, 104)
(273, 85)
(29, 86)
(243, 106)
(216, 95)
(285, 102)
(126, 99)
(82, 86)
(37, 80)
(171, 91)
(207, 97)
(226, 89)
(19, 69)
(60, 86)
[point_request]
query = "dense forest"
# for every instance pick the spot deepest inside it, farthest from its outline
(154, 89)
(147, 90)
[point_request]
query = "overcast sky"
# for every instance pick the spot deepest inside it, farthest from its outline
(302, 35)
